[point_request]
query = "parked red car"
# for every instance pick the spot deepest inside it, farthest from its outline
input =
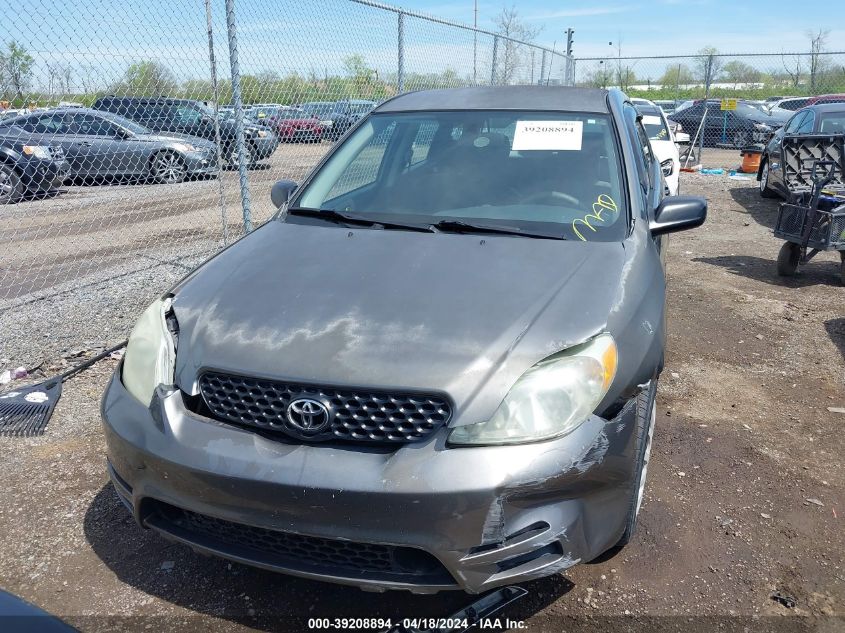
(293, 124)
(821, 99)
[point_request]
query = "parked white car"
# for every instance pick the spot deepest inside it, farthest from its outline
(662, 140)
(785, 107)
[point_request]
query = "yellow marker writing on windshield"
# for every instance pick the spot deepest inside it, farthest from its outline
(603, 203)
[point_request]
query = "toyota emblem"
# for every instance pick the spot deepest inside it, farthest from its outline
(308, 416)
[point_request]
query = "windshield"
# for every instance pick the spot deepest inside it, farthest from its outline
(653, 124)
(555, 173)
(124, 122)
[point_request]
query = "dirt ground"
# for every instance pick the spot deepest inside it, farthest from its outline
(746, 492)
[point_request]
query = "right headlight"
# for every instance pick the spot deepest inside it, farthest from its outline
(552, 398)
(150, 356)
(667, 166)
(37, 151)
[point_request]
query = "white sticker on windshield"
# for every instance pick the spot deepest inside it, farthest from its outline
(650, 119)
(548, 135)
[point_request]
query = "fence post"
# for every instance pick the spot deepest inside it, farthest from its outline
(543, 66)
(240, 142)
(495, 54)
(218, 145)
(401, 73)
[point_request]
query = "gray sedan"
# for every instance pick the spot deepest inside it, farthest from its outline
(435, 368)
(98, 144)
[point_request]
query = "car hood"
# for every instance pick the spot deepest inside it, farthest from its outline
(463, 315)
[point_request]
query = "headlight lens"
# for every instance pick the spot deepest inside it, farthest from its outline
(261, 133)
(762, 127)
(184, 147)
(552, 398)
(668, 166)
(150, 355)
(37, 151)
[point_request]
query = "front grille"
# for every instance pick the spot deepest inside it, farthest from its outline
(299, 552)
(353, 415)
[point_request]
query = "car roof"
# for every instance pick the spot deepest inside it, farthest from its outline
(543, 98)
(822, 108)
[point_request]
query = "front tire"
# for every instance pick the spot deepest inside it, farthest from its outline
(765, 190)
(168, 168)
(249, 154)
(788, 259)
(11, 187)
(646, 416)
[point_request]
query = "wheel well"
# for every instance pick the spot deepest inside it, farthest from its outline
(763, 159)
(165, 150)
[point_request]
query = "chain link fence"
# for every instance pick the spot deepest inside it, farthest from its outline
(136, 142)
(725, 102)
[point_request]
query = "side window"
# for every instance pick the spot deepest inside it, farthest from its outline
(365, 168)
(794, 123)
(806, 125)
(87, 124)
(640, 157)
(47, 124)
(187, 115)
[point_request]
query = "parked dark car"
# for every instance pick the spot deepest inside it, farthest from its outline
(27, 165)
(739, 128)
(98, 144)
(186, 116)
(346, 114)
(817, 119)
(452, 385)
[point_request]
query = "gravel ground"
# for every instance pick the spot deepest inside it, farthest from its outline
(746, 492)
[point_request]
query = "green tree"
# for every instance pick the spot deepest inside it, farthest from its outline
(737, 72)
(146, 78)
(512, 54)
(15, 70)
(676, 75)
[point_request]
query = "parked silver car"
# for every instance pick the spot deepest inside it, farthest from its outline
(97, 144)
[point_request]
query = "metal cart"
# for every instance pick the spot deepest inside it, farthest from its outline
(814, 218)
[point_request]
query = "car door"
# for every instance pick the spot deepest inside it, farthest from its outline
(774, 152)
(106, 152)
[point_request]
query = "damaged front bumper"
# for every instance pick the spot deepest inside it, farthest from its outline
(423, 517)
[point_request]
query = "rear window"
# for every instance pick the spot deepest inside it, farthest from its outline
(549, 172)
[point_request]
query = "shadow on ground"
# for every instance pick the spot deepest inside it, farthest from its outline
(836, 330)
(764, 211)
(817, 272)
(256, 598)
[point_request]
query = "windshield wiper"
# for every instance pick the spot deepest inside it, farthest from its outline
(348, 218)
(459, 226)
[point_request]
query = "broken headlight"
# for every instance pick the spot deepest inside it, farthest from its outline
(550, 399)
(150, 354)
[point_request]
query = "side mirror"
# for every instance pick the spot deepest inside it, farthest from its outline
(281, 192)
(682, 137)
(678, 213)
